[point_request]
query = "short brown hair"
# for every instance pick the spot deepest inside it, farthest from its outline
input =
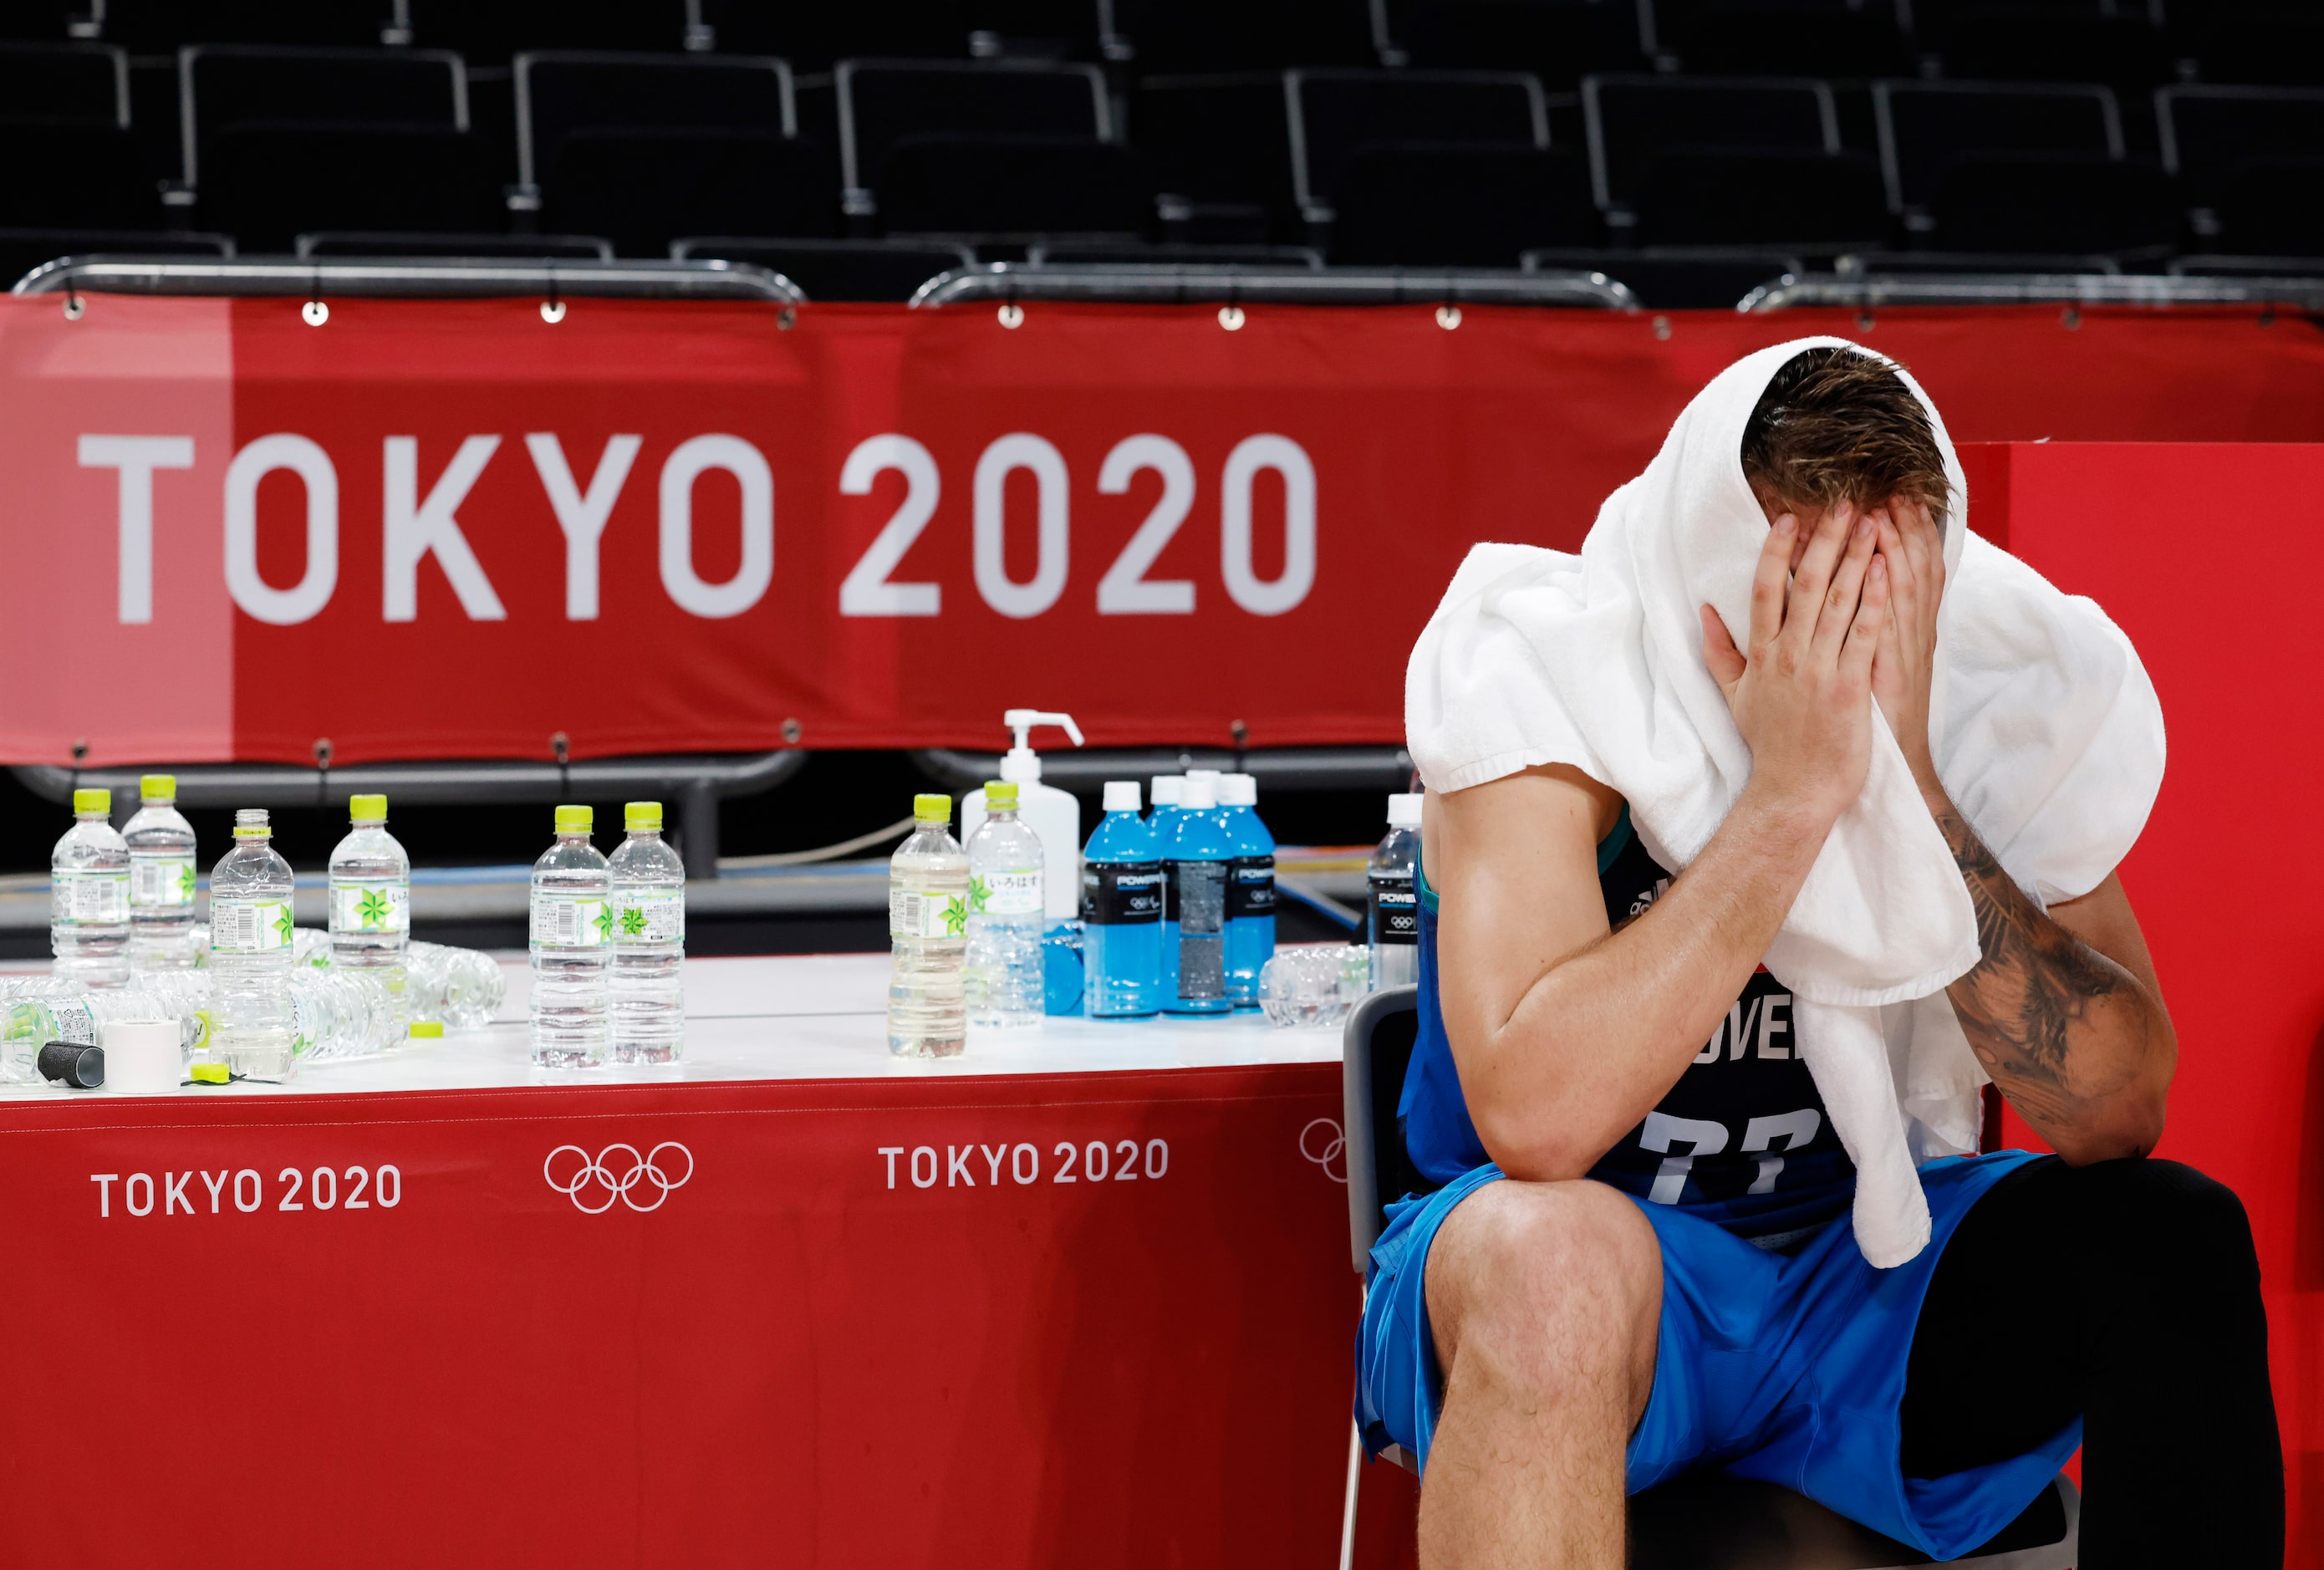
(1837, 425)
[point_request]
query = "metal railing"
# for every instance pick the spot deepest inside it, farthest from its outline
(694, 782)
(414, 278)
(1194, 283)
(1872, 292)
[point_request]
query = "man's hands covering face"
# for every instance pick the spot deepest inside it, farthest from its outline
(1912, 546)
(1799, 696)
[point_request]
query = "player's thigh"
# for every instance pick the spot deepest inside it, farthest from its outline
(1553, 1281)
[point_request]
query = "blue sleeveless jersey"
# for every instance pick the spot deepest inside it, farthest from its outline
(1742, 1139)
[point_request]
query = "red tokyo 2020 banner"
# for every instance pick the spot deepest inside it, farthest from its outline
(430, 530)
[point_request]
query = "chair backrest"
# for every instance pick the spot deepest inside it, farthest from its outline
(1923, 126)
(85, 83)
(2205, 131)
(1631, 120)
(490, 34)
(883, 101)
(561, 91)
(220, 86)
(1376, 1050)
(1335, 111)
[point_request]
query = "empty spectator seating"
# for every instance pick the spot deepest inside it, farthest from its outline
(1557, 40)
(645, 148)
(23, 249)
(1188, 36)
(488, 34)
(1218, 149)
(2020, 43)
(1104, 254)
(165, 26)
(1036, 28)
(1665, 143)
(2243, 157)
(2201, 267)
(888, 270)
(1806, 38)
(1689, 278)
(1920, 264)
(1929, 129)
(991, 147)
(815, 37)
(72, 163)
(2056, 201)
(40, 21)
(2261, 42)
(365, 242)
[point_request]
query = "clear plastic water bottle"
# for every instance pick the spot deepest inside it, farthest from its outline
(88, 897)
(337, 1014)
(927, 935)
(1250, 889)
(162, 880)
(250, 953)
(572, 944)
(36, 1011)
(371, 907)
(458, 987)
(1121, 911)
(1194, 859)
(1391, 907)
(1002, 974)
(648, 941)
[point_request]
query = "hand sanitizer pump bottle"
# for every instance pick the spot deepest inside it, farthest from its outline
(1056, 817)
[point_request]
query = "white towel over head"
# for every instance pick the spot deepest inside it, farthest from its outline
(2045, 731)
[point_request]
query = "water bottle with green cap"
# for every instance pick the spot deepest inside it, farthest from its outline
(572, 944)
(371, 907)
(88, 897)
(928, 933)
(648, 941)
(250, 954)
(1003, 968)
(162, 880)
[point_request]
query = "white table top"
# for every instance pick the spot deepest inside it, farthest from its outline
(788, 1018)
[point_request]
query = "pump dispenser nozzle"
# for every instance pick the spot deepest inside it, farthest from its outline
(1022, 764)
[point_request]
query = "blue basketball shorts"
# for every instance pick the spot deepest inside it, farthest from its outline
(1785, 1368)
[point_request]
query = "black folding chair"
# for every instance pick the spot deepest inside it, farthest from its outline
(1696, 1523)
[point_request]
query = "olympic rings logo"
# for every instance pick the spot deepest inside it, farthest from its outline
(618, 1181)
(1335, 1150)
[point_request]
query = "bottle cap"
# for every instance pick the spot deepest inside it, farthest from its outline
(1168, 788)
(87, 801)
(1122, 796)
(1000, 795)
(157, 787)
(425, 1028)
(209, 1074)
(576, 819)
(82, 1068)
(1204, 774)
(1199, 795)
(642, 817)
(367, 810)
(1237, 790)
(250, 823)
(1404, 811)
(931, 807)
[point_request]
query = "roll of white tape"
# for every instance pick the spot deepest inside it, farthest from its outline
(141, 1056)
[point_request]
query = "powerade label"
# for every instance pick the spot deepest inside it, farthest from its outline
(98, 898)
(249, 926)
(571, 920)
(161, 879)
(1005, 893)
(1395, 913)
(370, 905)
(1250, 887)
(1121, 893)
(926, 913)
(650, 917)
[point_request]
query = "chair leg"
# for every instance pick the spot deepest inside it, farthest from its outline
(1348, 1511)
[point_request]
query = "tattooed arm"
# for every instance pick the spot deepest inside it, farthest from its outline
(2063, 1010)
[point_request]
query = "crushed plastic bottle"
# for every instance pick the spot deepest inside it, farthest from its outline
(162, 879)
(458, 988)
(88, 897)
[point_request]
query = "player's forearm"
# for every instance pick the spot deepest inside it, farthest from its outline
(1603, 1034)
(2080, 1046)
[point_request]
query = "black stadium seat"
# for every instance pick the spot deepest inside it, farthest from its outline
(1634, 121)
(287, 139)
(2274, 206)
(72, 161)
(2015, 44)
(1806, 38)
(83, 83)
(1557, 40)
(40, 21)
(2227, 144)
(165, 26)
(646, 148)
(2253, 42)
(1925, 127)
(1334, 113)
(1434, 204)
(1680, 278)
(487, 34)
(1204, 36)
(1219, 151)
(397, 243)
(815, 37)
(989, 147)
(888, 270)
(2056, 202)
(1763, 196)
